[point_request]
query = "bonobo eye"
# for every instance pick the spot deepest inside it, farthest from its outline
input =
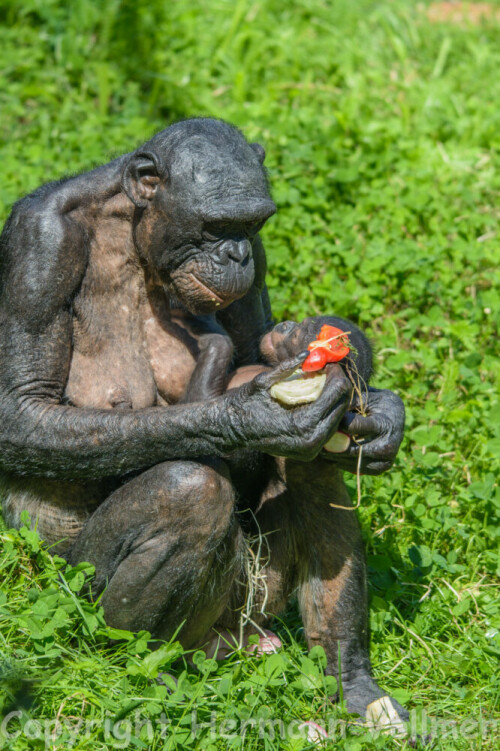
(209, 237)
(215, 231)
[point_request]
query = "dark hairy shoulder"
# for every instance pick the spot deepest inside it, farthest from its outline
(43, 256)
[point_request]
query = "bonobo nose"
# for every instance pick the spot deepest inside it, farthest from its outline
(239, 251)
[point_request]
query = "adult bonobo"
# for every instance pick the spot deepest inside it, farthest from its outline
(110, 283)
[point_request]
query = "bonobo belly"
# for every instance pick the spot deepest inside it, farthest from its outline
(111, 379)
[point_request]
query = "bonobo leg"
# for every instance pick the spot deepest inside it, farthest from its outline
(332, 579)
(166, 548)
(317, 550)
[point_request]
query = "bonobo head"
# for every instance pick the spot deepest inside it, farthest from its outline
(201, 195)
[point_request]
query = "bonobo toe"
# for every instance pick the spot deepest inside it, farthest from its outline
(379, 710)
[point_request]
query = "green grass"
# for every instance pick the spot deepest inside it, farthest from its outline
(383, 136)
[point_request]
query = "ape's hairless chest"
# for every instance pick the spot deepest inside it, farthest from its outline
(130, 297)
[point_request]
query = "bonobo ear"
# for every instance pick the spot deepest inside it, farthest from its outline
(141, 178)
(260, 151)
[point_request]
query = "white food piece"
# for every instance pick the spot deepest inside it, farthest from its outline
(338, 443)
(381, 715)
(299, 388)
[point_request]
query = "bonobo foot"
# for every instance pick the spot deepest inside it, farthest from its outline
(223, 643)
(362, 696)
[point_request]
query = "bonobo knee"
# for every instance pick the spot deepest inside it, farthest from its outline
(201, 489)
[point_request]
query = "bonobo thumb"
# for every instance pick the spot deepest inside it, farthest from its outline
(265, 380)
(354, 424)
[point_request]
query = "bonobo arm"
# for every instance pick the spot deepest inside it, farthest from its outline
(248, 319)
(43, 252)
(44, 256)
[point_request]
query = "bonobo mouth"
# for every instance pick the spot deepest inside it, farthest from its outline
(212, 296)
(206, 290)
(200, 298)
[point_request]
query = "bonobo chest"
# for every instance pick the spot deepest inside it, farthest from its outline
(130, 350)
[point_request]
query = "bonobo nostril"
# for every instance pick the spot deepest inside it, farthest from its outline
(240, 251)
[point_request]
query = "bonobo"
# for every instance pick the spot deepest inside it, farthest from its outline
(111, 285)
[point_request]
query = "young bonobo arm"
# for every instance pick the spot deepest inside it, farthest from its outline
(43, 260)
(247, 320)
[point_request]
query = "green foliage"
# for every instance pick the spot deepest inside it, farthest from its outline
(382, 133)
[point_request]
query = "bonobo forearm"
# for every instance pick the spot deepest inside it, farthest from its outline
(51, 440)
(97, 185)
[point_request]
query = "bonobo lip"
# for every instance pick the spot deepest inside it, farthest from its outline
(213, 295)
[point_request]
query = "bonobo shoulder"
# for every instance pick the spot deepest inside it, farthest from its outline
(43, 255)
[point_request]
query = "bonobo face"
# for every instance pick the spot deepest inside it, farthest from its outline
(201, 212)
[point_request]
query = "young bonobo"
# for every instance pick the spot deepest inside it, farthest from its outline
(118, 433)
(212, 374)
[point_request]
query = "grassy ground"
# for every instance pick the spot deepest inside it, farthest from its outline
(382, 132)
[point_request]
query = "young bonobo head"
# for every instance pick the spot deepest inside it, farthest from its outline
(289, 337)
(201, 195)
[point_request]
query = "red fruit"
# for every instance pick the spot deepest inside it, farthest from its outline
(334, 341)
(328, 331)
(316, 360)
(338, 352)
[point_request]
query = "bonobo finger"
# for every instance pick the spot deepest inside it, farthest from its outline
(368, 467)
(349, 462)
(379, 449)
(329, 424)
(267, 379)
(375, 468)
(383, 402)
(336, 387)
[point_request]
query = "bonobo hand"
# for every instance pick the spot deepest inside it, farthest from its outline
(261, 423)
(383, 427)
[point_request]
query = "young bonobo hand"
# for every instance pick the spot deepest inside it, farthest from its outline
(263, 424)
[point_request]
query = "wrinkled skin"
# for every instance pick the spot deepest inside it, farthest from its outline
(113, 285)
